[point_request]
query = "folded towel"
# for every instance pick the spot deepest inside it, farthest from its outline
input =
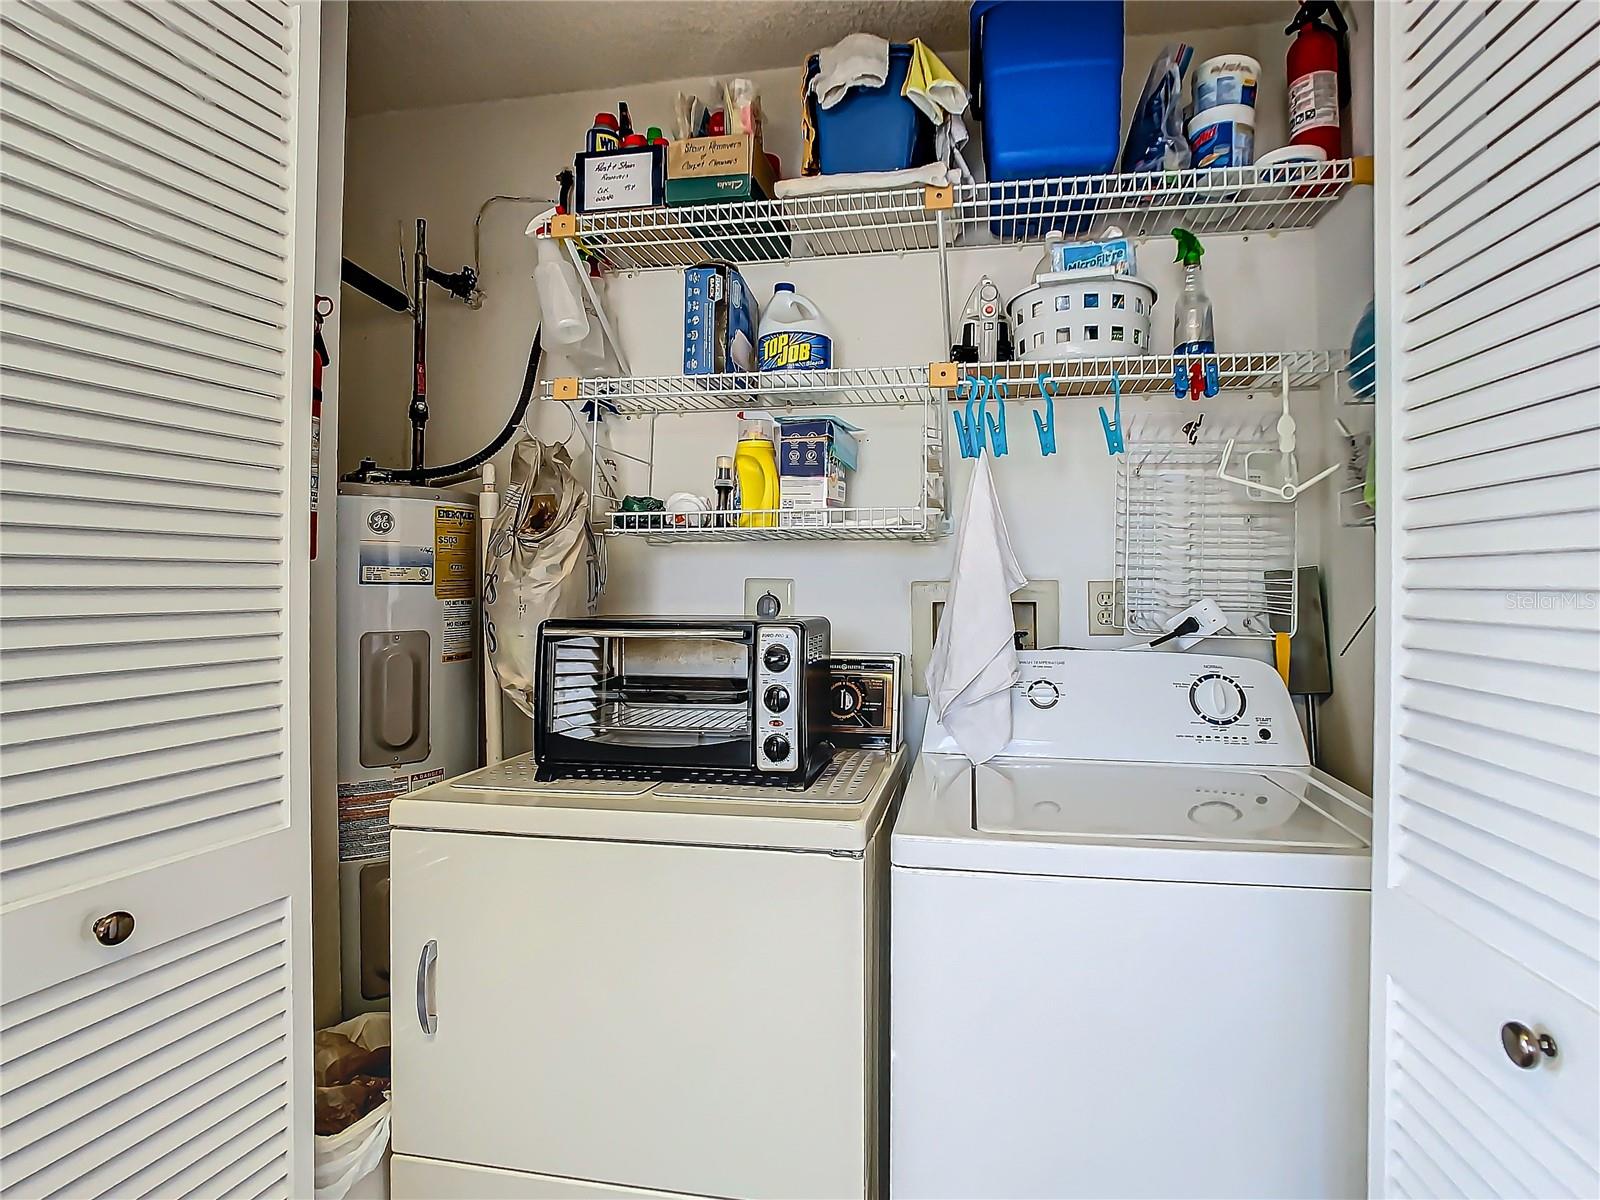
(863, 181)
(974, 660)
(859, 60)
(931, 86)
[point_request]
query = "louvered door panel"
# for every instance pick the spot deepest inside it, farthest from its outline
(1487, 888)
(157, 169)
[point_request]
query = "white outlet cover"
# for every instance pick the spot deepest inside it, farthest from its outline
(781, 589)
(1043, 594)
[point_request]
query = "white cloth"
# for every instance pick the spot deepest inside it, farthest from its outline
(974, 661)
(858, 60)
(863, 181)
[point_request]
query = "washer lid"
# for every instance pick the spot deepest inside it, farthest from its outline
(1159, 802)
(1175, 822)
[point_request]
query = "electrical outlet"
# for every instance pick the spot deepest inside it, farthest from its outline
(1105, 607)
(769, 598)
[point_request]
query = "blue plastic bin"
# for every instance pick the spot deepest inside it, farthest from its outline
(1047, 86)
(875, 129)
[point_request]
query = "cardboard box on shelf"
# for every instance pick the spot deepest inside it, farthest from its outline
(719, 320)
(711, 169)
(815, 458)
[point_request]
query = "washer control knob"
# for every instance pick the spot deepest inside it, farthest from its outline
(1217, 699)
(775, 657)
(776, 748)
(1042, 693)
(776, 698)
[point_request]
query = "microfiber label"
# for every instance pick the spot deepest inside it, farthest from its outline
(790, 350)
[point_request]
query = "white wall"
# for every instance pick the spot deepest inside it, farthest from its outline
(1290, 291)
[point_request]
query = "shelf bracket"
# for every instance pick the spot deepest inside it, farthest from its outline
(564, 225)
(943, 375)
(937, 199)
(1362, 171)
(564, 388)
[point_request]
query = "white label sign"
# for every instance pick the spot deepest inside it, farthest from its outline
(619, 181)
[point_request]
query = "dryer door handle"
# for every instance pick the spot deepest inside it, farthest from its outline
(427, 1017)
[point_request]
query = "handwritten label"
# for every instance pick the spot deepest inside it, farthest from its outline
(709, 156)
(620, 181)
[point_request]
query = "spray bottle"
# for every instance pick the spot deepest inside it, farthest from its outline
(1192, 329)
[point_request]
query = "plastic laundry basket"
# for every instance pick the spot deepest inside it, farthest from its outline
(1065, 315)
(875, 129)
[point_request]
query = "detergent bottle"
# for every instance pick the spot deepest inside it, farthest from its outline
(793, 334)
(755, 471)
(1192, 331)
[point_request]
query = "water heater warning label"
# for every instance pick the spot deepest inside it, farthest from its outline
(456, 641)
(455, 544)
(384, 562)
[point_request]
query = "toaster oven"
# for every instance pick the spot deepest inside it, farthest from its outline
(683, 697)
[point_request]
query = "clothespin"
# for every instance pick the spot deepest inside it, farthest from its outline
(1045, 422)
(1191, 429)
(1113, 425)
(969, 431)
(998, 444)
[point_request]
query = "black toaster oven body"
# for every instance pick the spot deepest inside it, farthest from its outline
(696, 698)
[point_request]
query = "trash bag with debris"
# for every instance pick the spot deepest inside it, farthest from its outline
(352, 1117)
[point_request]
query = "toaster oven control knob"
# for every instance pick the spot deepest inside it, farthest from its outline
(776, 748)
(776, 657)
(776, 698)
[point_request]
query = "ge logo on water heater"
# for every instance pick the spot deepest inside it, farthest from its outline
(380, 521)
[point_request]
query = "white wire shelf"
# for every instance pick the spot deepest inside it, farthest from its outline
(1209, 202)
(911, 522)
(1071, 378)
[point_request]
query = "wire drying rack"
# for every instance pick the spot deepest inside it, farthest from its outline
(1184, 535)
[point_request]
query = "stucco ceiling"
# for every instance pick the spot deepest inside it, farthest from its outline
(426, 53)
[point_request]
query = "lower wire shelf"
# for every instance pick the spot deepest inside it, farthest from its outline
(910, 523)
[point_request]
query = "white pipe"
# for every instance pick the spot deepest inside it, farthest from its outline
(493, 717)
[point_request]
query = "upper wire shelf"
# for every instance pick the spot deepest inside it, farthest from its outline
(1213, 201)
(888, 386)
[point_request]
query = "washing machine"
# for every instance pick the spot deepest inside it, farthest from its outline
(1129, 956)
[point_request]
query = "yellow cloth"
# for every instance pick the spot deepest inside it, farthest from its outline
(931, 87)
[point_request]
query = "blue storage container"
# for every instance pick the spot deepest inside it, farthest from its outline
(875, 129)
(1047, 86)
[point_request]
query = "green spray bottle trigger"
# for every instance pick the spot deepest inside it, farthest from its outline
(1189, 247)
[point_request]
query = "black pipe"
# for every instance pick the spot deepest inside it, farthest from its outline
(369, 285)
(461, 469)
(418, 411)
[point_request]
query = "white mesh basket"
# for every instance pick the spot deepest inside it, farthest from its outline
(1067, 313)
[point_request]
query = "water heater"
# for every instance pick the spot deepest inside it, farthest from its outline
(408, 681)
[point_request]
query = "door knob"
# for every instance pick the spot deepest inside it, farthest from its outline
(114, 928)
(1525, 1047)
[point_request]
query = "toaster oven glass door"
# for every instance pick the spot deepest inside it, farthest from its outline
(650, 698)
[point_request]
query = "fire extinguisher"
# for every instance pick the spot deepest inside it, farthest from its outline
(1319, 76)
(323, 307)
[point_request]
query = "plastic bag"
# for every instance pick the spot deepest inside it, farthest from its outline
(540, 565)
(344, 1159)
(1156, 141)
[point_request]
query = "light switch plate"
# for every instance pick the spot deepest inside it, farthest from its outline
(782, 590)
(1105, 608)
(1036, 606)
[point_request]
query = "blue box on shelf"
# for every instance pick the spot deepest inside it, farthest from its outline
(719, 320)
(873, 129)
(1047, 87)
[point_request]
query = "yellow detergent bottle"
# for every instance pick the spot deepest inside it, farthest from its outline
(755, 467)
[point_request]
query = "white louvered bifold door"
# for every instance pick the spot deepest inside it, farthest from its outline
(157, 175)
(1486, 904)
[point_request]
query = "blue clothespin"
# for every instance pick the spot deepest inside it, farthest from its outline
(1211, 375)
(969, 431)
(997, 428)
(1113, 425)
(1045, 422)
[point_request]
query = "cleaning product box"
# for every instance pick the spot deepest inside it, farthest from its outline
(709, 170)
(1112, 256)
(815, 458)
(719, 320)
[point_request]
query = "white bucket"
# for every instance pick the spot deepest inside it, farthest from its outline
(1093, 314)
(1223, 137)
(1226, 79)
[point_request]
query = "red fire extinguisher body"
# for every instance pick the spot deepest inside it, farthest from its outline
(1313, 73)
